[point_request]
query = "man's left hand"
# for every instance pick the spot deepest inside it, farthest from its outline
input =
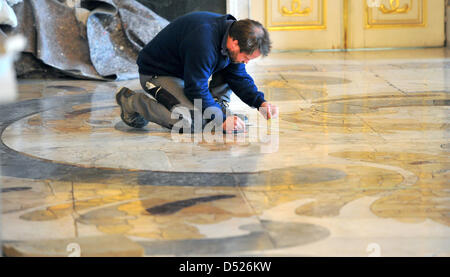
(268, 110)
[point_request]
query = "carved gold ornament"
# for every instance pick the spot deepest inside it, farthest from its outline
(395, 7)
(396, 14)
(296, 9)
(295, 14)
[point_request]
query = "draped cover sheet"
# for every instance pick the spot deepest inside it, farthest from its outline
(104, 45)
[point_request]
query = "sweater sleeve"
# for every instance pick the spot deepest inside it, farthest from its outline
(199, 61)
(243, 85)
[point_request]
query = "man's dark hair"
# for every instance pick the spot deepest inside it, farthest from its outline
(251, 35)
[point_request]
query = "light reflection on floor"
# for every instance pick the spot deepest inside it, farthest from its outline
(362, 159)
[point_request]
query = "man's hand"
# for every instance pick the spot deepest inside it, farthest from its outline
(233, 124)
(268, 110)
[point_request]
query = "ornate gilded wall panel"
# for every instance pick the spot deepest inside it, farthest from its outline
(295, 14)
(395, 13)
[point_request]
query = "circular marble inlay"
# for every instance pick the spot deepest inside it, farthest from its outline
(371, 104)
(93, 135)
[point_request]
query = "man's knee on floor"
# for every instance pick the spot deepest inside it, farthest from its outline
(161, 95)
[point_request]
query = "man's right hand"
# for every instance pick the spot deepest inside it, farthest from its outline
(233, 124)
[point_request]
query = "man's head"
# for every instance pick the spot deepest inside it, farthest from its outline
(247, 40)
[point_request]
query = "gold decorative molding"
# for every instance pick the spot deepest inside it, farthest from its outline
(395, 7)
(298, 17)
(396, 15)
(296, 9)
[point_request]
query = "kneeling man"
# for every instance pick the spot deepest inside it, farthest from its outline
(199, 56)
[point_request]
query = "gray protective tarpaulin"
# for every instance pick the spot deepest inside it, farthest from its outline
(104, 47)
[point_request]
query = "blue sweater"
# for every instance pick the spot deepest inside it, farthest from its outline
(192, 48)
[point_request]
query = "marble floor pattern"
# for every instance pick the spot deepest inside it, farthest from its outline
(358, 165)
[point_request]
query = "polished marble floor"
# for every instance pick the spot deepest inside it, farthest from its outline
(357, 165)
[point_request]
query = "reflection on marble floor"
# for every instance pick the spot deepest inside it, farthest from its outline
(362, 159)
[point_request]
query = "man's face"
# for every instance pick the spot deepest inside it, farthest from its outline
(240, 57)
(237, 56)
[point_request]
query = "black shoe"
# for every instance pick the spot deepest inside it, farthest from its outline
(131, 118)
